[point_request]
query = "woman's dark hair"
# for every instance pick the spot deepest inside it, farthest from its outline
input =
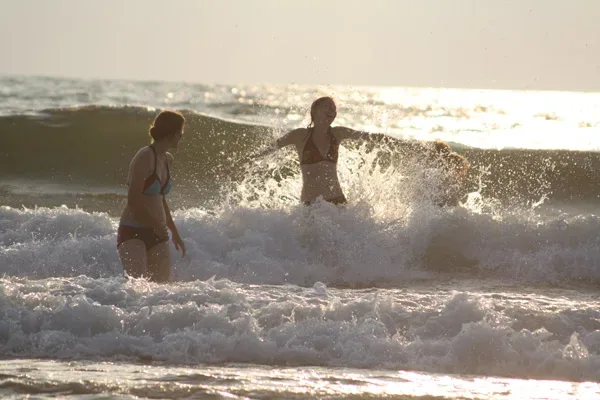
(316, 104)
(458, 163)
(441, 148)
(165, 124)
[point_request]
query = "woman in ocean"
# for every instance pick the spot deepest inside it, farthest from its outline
(317, 146)
(143, 235)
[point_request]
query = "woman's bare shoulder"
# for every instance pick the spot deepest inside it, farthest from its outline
(142, 158)
(295, 136)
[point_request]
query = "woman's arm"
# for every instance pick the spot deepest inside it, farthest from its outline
(288, 139)
(342, 133)
(177, 241)
(265, 151)
(170, 223)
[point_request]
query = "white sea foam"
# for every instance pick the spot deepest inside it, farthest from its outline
(384, 241)
(220, 321)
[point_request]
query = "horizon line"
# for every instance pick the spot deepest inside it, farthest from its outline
(371, 86)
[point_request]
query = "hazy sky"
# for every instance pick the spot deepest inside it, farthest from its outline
(521, 44)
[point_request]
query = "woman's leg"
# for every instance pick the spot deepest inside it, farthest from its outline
(159, 262)
(133, 257)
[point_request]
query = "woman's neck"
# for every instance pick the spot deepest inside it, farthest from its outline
(161, 147)
(324, 129)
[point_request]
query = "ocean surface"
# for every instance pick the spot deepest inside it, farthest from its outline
(390, 297)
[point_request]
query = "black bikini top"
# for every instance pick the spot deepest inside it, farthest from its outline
(312, 155)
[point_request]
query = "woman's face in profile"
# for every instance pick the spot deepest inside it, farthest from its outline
(176, 138)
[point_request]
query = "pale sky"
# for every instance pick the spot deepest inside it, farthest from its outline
(512, 44)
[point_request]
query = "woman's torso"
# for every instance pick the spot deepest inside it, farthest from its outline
(319, 168)
(157, 182)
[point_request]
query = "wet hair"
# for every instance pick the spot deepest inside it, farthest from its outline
(441, 147)
(166, 124)
(436, 150)
(314, 106)
(440, 153)
(458, 163)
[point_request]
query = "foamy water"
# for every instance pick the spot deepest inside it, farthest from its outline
(490, 330)
(353, 246)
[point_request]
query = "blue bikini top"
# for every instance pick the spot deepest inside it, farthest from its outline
(152, 186)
